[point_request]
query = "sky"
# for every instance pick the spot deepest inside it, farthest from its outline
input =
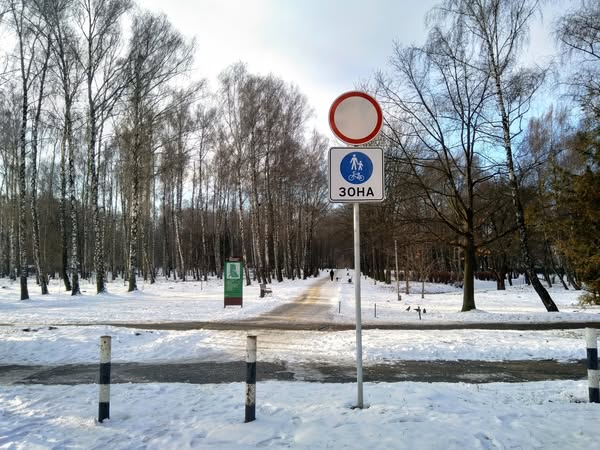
(325, 47)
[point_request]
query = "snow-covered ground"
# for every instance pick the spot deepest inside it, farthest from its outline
(49, 330)
(299, 415)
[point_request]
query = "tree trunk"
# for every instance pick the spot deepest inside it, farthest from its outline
(23, 195)
(63, 214)
(468, 276)
(288, 259)
(204, 258)
(94, 181)
(133, 237)
(73, 202)
(217, 218)
(177, 220)
(242, 229)
(255, 209)
(501, 278)
(42, 278)
(14, 268)
(406, 273)
(256, 242)
(145, 257)
(276, 257)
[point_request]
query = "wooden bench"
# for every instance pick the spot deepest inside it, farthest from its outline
(265, 290)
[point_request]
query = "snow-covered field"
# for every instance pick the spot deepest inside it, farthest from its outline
(50, 330)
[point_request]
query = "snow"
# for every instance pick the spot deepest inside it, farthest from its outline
(59, 329)
(303, 415)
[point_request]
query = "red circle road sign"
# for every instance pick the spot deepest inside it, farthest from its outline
(355, 117)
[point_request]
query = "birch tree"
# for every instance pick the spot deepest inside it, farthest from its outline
(66, 50)
(25, 24)
(40, 269)
(157, 55)
(99, 23)
(501, 28)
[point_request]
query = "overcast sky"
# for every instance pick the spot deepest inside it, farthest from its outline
(325, 47)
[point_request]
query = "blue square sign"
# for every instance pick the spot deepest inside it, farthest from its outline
(356, 174)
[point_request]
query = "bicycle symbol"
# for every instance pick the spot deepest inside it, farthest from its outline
(356, 176)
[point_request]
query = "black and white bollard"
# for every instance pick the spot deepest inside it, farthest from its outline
(250, 379)
(104, 380)
(591, 340)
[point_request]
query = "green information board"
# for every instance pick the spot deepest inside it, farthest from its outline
(234, 277)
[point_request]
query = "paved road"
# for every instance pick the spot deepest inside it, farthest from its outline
(212, 372)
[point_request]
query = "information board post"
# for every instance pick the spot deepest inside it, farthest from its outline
(233, 286)
(356, 175)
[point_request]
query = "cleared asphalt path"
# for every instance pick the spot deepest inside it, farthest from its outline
(212, 372)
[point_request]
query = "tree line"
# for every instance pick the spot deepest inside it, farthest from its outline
(472, 169)
(115, 163)
(137, 170)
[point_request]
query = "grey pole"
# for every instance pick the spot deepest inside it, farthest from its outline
(397, 277)
(591, 340)
(359, 369)
(104, 381)
(250, 379)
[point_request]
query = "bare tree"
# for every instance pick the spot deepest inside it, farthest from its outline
(233, 81)
(205, 127)
(10, 102)
(99, 22)
(435, 105)
(501, 27)
(157, 55)
(312, 196)
(25, 23)
(40, 270)
(66, 50)
(177, 141)
(578, 31)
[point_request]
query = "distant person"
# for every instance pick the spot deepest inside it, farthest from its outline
(331, 274)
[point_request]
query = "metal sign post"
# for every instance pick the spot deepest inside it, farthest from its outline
(356, 176)
(359, 371)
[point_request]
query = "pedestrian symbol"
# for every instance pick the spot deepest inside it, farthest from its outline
(356, 168)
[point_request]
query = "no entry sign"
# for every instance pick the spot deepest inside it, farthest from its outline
(355, 117)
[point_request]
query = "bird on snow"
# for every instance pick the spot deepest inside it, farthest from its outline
(408, 309)
(424, 310)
